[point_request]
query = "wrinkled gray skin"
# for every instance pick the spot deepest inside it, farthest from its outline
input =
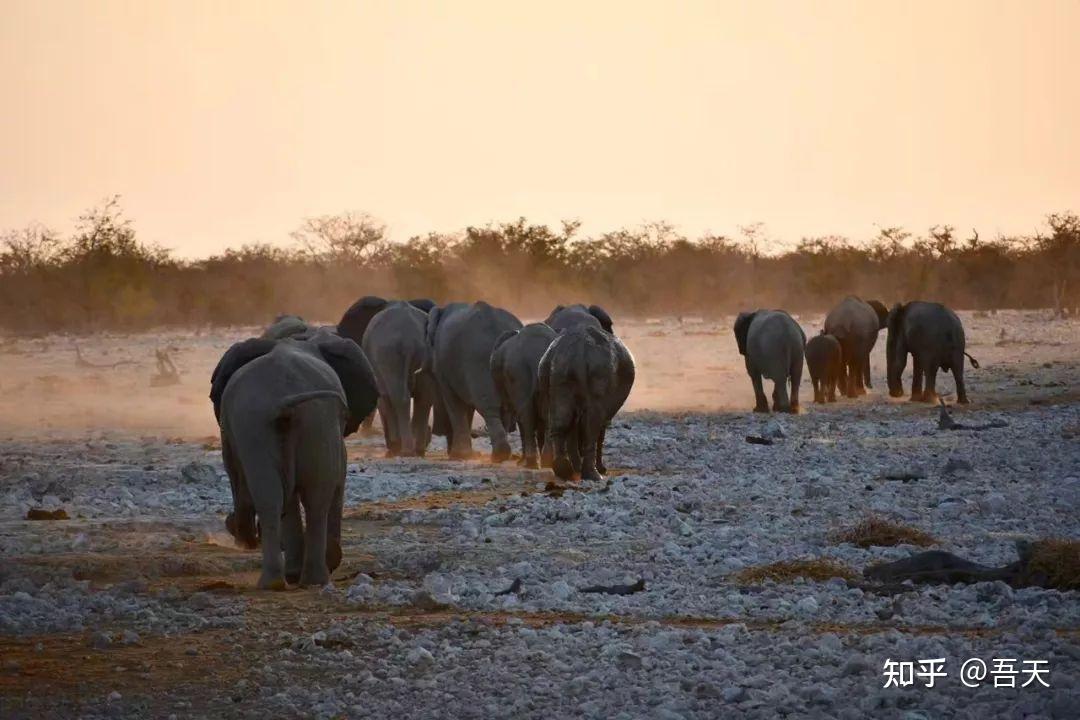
(567, 316)
(395, 344)
(824, 360)
(282, 419)
(855, 323)
(462, 337)
(286, 326)
(515, 367)
(585, 377)
(772, 343)
(934, 337)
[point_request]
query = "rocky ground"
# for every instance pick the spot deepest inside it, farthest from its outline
(464, 587)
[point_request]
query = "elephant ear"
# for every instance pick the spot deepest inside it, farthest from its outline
(882, 312)
(551, 315)
(423, 304)
(354, 371)
(236, 357)
(355, 320)
(742, 327)
(895, 317)
(503, 338)
(600, 314)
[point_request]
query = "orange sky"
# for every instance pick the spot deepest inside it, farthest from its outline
(222, 123)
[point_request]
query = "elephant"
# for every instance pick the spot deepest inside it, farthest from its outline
(286, 326)
(563, 317)
(855, 323)
(585, 376)
(396, 345)
(825, 360)
(934, 336)
(772, 343)
(462, 337)
(354, 323)
(515, 367)
(283, 415)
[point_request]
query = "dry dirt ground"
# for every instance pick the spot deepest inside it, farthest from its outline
(462, 592)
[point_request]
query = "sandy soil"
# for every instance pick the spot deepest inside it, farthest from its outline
(138, 605)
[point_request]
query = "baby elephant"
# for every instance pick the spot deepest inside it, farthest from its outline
(585, 377)
(772, 343)
(515, 366)
(824, 359)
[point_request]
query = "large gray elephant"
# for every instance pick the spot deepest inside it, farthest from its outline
(772, 343)
(354, 322)
(515, 367)
(396, 345)
(566, 316)
(824, 360)
(934, 336)
(855, 323)
(585, 376)
(462, 337)
(283, 415)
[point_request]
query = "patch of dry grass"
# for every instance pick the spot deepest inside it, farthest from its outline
(1055, 563)
(876, 531)
(788, 570)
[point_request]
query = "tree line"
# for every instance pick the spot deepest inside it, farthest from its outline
(104, 277)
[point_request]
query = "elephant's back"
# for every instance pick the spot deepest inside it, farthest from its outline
(935, 322)
(255, 392)
(852, 316)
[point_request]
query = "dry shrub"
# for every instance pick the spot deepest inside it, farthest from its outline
(876, 531)
(788, 570)
(1055, 563)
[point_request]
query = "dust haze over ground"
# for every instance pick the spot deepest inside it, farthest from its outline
(143, 590)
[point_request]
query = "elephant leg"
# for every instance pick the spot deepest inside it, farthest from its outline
(866, 371)
(365, 426)
(333, 528)
(958, 377)
(460, 416)
(574, 443)
(781, 402)
(761, 403)
(262, 464)
(543, 440)
(930, 391)
(386, 417)
(589, 428)
(421, 410)
(530, 455)
(500, 443)
(796, 381)
(916, 379)
(406, 438)
(600, 466)
(818, 385)
(293, 540)
(317, 509)
(561, 419)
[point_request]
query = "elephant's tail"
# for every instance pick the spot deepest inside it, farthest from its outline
(974, 362)
(291, 401)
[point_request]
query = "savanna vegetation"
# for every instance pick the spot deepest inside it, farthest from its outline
(104, 277)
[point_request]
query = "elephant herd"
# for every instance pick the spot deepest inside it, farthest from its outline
(285, 401)
(775, 347)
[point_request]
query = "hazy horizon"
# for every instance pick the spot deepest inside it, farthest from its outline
(227, 124)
